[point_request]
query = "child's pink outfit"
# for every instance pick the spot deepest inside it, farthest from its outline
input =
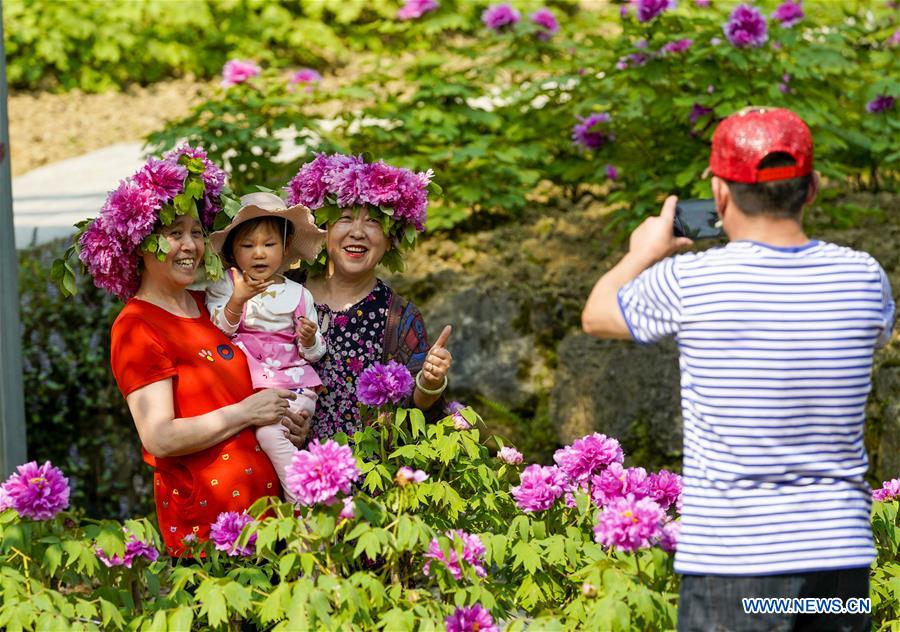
(267, 334)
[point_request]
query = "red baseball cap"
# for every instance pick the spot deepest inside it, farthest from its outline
(742, 140)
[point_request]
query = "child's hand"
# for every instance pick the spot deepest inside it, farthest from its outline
(306, 332)
(245, 286)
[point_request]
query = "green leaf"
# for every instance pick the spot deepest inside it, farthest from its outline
(181, 618)
(275, 604)
(110, 615)
(52, 558)
(525, 555)
(286, 565)
(238, 597)
(212, 602)
(194, 188)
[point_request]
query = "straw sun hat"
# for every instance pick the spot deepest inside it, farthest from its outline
(306, 241)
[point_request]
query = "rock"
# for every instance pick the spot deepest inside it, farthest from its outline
(621, 389)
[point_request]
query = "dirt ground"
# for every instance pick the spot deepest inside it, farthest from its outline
(46, 127)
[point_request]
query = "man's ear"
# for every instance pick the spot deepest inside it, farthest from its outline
(814, 184)
(721, 195)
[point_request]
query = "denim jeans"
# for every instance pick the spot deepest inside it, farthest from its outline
(712, 603)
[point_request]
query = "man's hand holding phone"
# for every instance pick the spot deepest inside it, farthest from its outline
(654, 239)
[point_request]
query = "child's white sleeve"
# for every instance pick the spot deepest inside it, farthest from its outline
(315, 352)
(217, 296)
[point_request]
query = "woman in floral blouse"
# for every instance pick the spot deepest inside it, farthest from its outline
(371, 212)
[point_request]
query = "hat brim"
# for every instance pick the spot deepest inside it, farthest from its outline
(306, 242)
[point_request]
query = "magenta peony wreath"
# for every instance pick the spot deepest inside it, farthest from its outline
(330, 183)
(109, 247)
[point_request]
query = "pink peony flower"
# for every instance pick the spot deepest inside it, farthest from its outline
(111, 268)
(130, 213)
(238, 71)
(893, 40)
(539, 487)
(649, 9)
(317, 474)
(678, 46)
(890, 490)
(616, 481)
(37, 492)
(472, 553)
(746, 27)
(213, 182)
(545, 19)
(588, 456)
(665, 488)
(382, 383)
(471, 619)
(308, 187)
(5, 500)
(382, 185)
(406, 475)
(134, 549)
(460, 422)
(628, 523)
(226, 531)
(788, 13)
(499, 16)
(416, 8)
(668, 539)
(510, 456)
(306, 76)
(587, 134)
(703, 4)
(163, 177)
(348, 512)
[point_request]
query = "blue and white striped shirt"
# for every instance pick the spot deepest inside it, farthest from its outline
(776, 350)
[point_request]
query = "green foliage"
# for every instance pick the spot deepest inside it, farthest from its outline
(317, 570)
(493, 114)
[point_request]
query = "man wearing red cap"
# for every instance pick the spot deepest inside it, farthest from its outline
(776, 334)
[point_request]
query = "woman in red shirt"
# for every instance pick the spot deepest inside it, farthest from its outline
(188, 389)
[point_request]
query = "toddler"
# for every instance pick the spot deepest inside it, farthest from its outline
(272, 319)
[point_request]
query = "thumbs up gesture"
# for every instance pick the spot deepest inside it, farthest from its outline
(437, 362)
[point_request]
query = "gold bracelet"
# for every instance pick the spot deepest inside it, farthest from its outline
(436, 391)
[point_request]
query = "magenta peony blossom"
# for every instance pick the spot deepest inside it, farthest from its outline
(163, 177)
(383, 383)
(238, 71)
(890, 490)
(37, 492)
(746, 27)
(545, 19)
(416, 8)
(499, 16)
(586, 133)
(5, 500)
(588, 456)
(628, 523)
(668, 538)
(893, 40)
(611, 172)
(382, 184)
(308, 187)
(317, 474)
(665, 488)
(510, 456)
(406, 475)
(348, 511)
(471, 619)
(678, 46)
(454, 407)
(134, 549)
(881, 103)
(697, 113)
(616, 481)
(213, 182)
(703, 4)
(539, 487)
(130, 212)
(649, 9)
(788, 13)
(305, 76)
(111, 268)
(226, 530)
(472, 553)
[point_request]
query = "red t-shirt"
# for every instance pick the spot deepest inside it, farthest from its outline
(150, 344)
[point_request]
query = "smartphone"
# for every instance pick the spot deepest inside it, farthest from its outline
(697, 219)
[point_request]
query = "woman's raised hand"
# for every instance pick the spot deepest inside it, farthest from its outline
(437, 362)
(267, 406)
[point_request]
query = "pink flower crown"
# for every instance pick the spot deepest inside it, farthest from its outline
(337, 181)
(184, 182)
